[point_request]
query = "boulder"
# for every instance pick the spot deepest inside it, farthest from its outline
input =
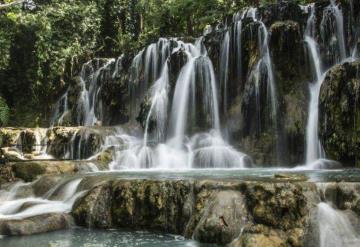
(339, 113)
(36, 224)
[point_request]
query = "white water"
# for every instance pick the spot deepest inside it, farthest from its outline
(238, 42)
(174, 148)
(313, 145)
(335, 228)
(58, 200)
(331, 25)
(61, 110)
(332, 32)
(41, 141)
(224, 68)
(89, 105)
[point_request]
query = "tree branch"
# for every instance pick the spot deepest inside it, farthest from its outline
(7, 5)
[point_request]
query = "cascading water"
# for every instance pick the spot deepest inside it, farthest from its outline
(224, 68)
(58, 200)
(89, 105)
(173, 129)
(335, 228)
(61, 109)
(262, 76)
(172, 148)
(159, 106)
(313, 147)
(331, 26)
(332, 33)
(238, 20)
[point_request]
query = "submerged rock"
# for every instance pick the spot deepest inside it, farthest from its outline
(36, 224)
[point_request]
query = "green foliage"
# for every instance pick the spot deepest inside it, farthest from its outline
(41, 49)
(4, 112)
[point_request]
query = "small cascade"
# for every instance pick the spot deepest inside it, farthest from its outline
(198, 70)
(58, 200)
(262, 72)
(89, 104)
(262, 77)
(266, 61)
(335, 228)
(118, 66)
(332, 34)
(41, 142)
(146, 68)
(61, 110)
(159, 106)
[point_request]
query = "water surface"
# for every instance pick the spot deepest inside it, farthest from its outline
(80, 237)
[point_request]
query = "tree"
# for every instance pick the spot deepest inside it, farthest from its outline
(28, 4)
(4, 112)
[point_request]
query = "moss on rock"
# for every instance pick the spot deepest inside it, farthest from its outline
(339, 118)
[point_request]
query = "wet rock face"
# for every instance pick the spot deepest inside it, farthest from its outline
(223, 218)
(283, 11)
(209, 211)
(79, 143)
(92, 210)
(340, 113)
(154, 205)
(59, 142)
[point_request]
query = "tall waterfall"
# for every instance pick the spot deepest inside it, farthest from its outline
(331, 28)
(224, 68)
(313, 147)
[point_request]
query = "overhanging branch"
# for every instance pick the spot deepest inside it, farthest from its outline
(7, 5)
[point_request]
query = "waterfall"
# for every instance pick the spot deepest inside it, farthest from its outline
(181, 100)
(183, 105)
(332, 33)
(335, 228)
(89, 104)
(159, 106)
(263, 41)
(313, 146)
(339, 29)
(41, 141)
(332, 26)
(238, 43)
(59, 199)
(224, 68)
(173, 147)
(133, 87)
(61, 109)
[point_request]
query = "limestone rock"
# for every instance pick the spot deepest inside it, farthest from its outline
(339, 118)
(35, 224)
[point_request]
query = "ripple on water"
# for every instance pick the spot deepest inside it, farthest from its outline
(80, 237)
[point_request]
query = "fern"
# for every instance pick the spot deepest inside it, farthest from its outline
(4, 112)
